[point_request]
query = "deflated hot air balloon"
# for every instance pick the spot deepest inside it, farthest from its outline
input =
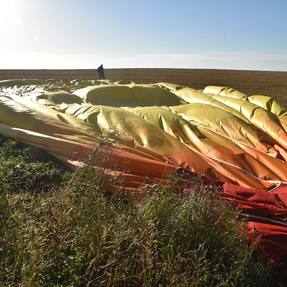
(156, 129)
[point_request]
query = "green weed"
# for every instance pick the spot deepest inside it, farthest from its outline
(73, 234)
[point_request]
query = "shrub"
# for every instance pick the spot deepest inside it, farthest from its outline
(21, 171)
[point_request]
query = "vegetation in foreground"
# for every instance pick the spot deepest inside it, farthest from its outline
(63, 228)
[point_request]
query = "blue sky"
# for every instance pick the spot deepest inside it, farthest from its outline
(226, 34)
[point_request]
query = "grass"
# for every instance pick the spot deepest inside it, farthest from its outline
(63, 228)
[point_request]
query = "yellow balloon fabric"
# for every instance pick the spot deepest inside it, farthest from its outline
(148, 130)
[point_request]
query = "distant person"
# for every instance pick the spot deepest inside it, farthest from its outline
(101, 72)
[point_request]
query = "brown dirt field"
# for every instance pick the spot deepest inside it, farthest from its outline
(251, 82)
